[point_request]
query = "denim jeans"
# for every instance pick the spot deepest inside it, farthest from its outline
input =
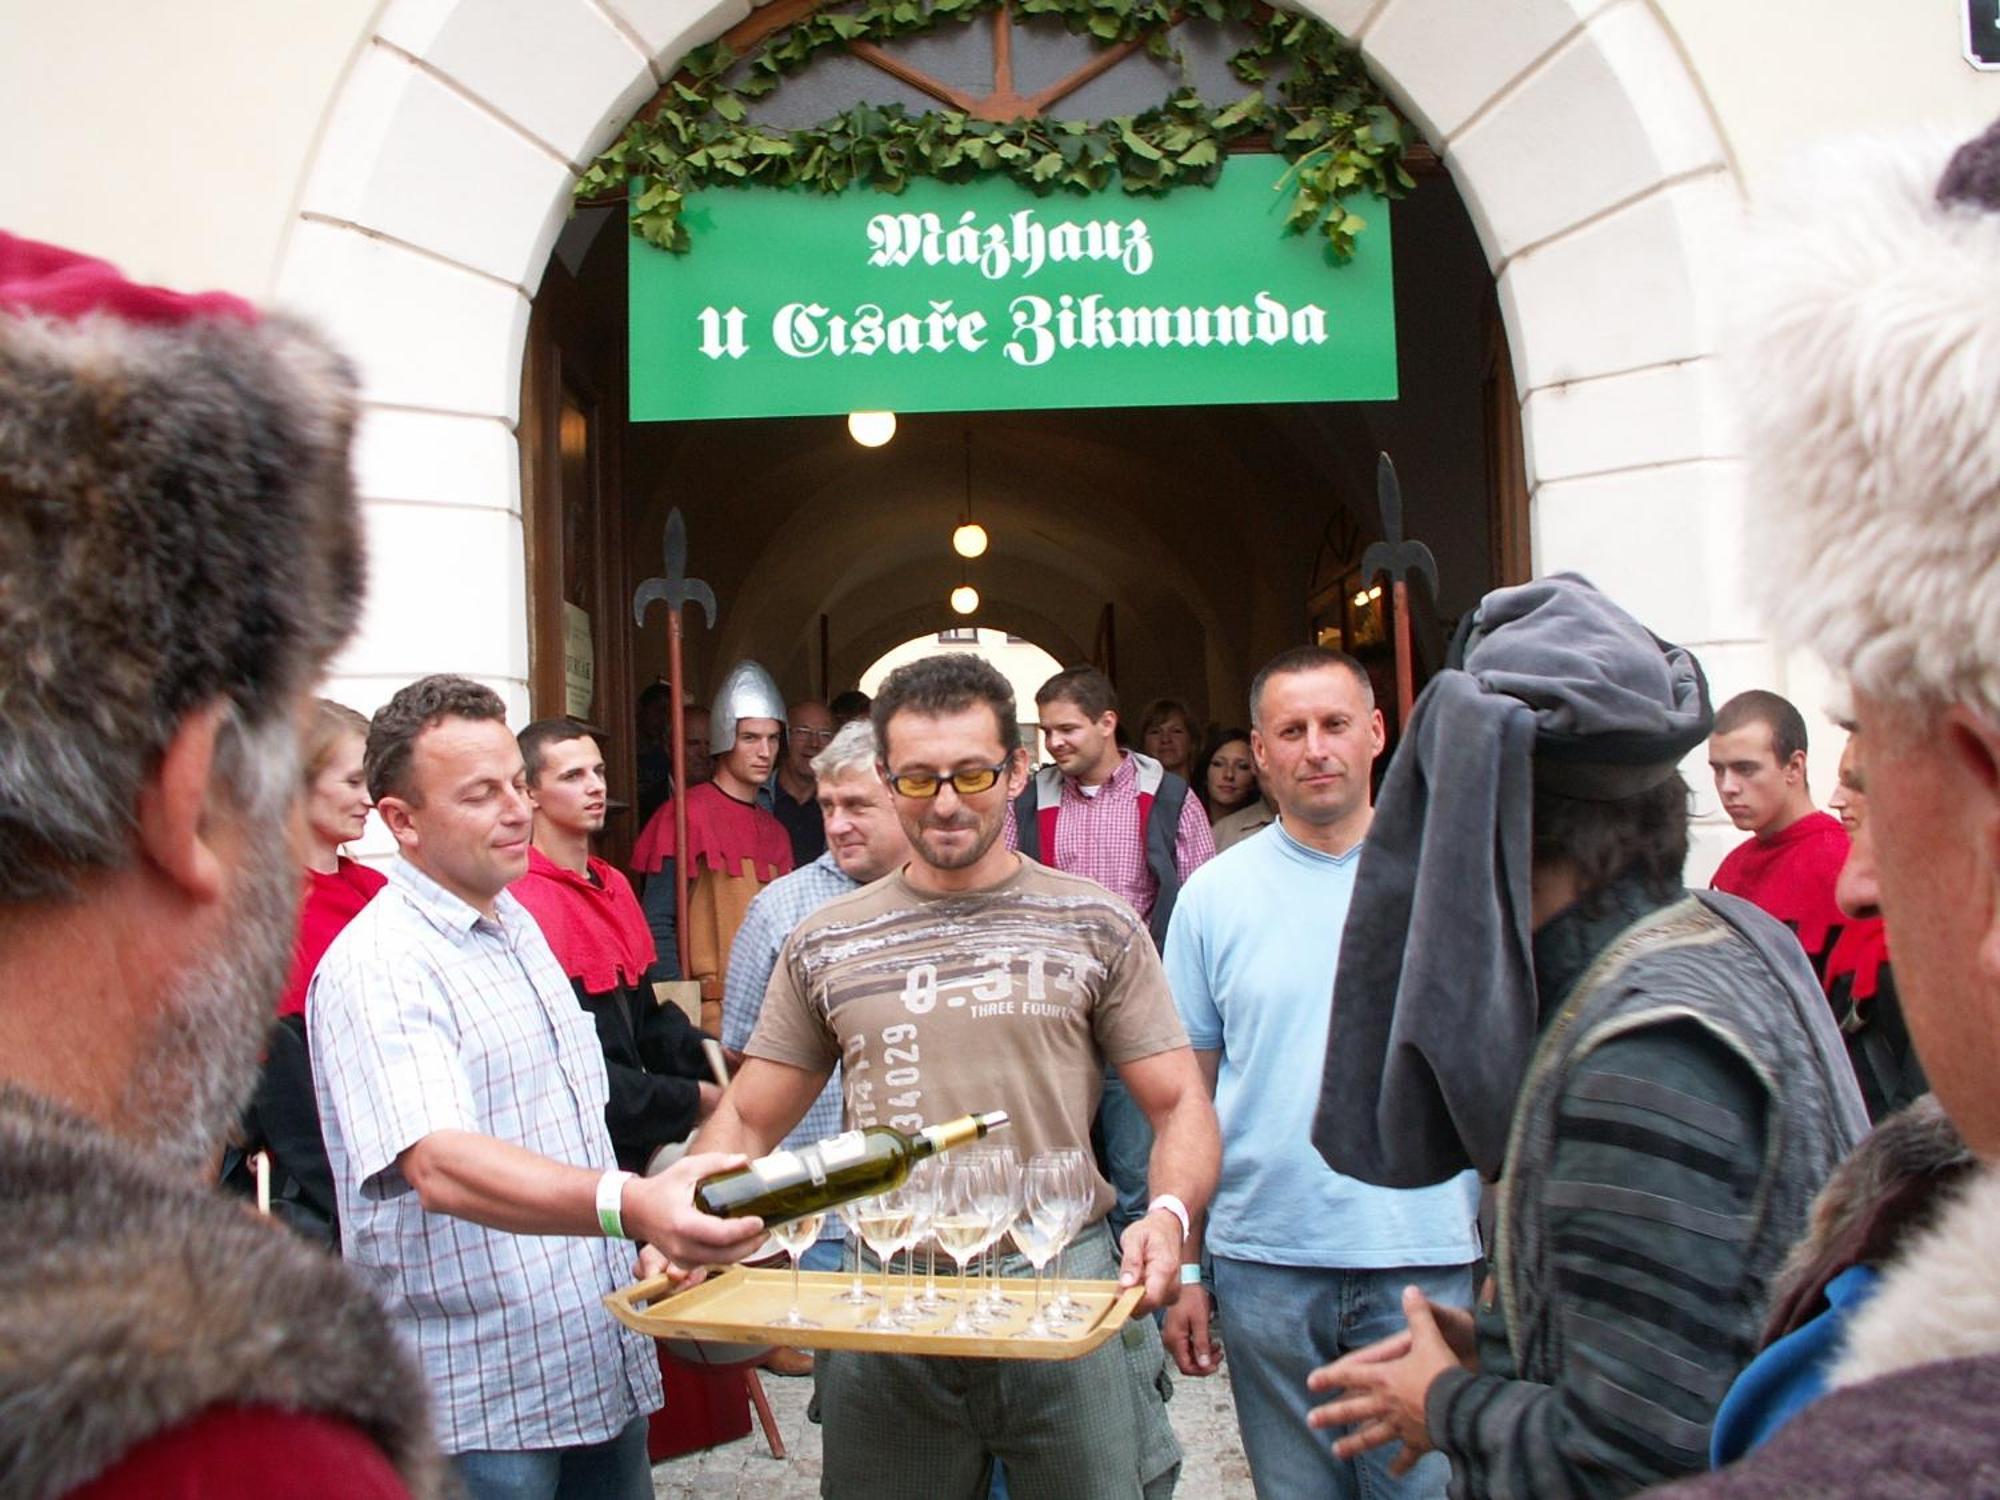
(616, 1469)
(822, 1255)
(1279, 1323)
(1127, 1138)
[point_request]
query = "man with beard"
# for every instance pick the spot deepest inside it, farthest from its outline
(652, 1052)
(179, 555)
(462, 1096)
(865, 842)
(997, 983)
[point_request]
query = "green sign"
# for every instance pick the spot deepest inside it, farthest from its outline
(981, 296)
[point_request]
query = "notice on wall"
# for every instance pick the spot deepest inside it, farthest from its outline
(981, 296)
(579, 663)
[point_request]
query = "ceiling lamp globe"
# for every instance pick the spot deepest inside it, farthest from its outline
(969, 540)
(871, 429)
(965, 598)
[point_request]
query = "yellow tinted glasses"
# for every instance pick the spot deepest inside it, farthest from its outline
(969, 782)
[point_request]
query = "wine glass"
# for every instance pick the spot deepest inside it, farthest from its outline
(797, 1237)
(1079, 1178)
(857, 1293)
(1000, 1201)
(960, 1227)
(1039, 1228)
(923, 1189)
(885, 1221)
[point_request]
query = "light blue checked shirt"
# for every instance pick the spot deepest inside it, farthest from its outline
(426, 1016)
(774, 912)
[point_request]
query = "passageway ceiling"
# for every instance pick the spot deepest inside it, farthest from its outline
(1199, 526)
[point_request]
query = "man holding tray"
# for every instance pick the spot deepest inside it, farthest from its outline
(979, 980)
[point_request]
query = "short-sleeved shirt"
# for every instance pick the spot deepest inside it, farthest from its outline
(774, 912)
(1013, 997)
(427, 1016)
(1251, 955)
(1101, 834)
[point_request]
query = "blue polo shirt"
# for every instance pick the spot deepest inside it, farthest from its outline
(1250, 957)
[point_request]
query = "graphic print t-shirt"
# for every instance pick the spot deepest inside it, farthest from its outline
(1010, 998)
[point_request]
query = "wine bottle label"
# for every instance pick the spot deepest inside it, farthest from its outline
(779, 1168)
(843, 1150)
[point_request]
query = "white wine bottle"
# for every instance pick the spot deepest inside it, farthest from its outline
(789, 1185)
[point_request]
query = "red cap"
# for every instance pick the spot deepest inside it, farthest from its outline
(57, 283)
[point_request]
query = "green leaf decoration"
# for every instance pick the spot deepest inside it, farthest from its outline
(1326, 117)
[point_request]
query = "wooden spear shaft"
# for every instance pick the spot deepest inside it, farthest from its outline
(680, 791)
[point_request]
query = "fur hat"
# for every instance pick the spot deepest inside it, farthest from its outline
(177, 527)
(1870, 380)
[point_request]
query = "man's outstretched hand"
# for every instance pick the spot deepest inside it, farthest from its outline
(1384, 1387)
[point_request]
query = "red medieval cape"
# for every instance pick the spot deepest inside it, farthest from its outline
(727, 836)
(596, 929)
(331, 902)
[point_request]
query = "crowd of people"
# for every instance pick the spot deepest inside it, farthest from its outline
(1493, 1159)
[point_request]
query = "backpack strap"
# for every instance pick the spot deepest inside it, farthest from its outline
(1159, 828)
(1027, 826)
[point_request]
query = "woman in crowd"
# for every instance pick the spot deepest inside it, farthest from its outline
(1228, 774)
(283, 1119)
(336, 810)
(1167, 733)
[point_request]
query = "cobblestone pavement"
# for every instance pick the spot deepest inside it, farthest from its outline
(1213, 1468)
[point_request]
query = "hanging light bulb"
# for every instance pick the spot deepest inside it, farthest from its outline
(871, 429)
(965, 598)
(969, 540)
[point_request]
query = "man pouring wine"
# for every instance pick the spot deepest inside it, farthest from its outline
(969, 980)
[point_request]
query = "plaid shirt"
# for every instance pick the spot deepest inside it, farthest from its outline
(426, 1016)
(1098, 837)
(774, 912)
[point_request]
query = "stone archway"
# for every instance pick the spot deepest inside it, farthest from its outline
(1601, 254)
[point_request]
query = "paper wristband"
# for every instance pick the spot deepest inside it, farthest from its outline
(610, 1195)
(1175, 1207)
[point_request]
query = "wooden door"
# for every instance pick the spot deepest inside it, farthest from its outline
(572, 502)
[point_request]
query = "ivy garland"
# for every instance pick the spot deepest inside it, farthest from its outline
(1329, 120)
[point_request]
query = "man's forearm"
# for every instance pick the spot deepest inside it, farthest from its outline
(1187, 1153)
(726, 1130)
(500, 1185)
(497, 1184)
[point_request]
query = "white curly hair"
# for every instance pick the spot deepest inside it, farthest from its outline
(1870, 377)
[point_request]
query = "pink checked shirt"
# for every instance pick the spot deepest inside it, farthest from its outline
(1098, 837)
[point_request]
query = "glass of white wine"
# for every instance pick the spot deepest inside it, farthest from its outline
(960, 1227)
(885, 1221)
(797, 1237)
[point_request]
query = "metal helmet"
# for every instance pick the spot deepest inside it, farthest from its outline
(747, 692)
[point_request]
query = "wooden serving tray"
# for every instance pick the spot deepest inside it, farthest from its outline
(742, 1306)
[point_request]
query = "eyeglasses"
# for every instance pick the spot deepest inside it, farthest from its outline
(810, 736)
(923, 785)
